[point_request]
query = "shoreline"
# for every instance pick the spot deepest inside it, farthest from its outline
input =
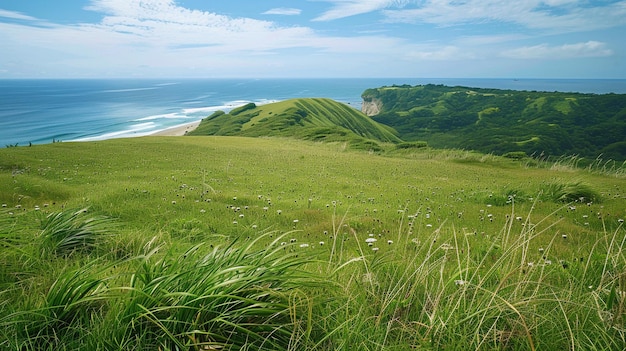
(179, 130)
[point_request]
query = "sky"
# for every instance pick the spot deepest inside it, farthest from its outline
(313, 38)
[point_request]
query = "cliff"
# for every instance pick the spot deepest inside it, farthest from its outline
(371, 106)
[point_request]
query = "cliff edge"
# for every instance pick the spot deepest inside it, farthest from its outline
(371, 106)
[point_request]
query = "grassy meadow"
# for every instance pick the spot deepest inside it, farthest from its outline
(234, 243)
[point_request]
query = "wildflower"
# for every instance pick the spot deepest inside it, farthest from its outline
(265, 208)
(460, 282)
(295, 221)
(541, 250)
(446, 247)
(429, 225)
(371, 240)
(389, 242)
(234, 222)
(564, 236)
(293, 240)
(254, 226)
(375, 249)
(279, 211)
(621, 220)
(173, 202)
(304, 245)
(241, 215)
(202, 210)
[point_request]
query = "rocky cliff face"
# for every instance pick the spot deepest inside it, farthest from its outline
(371, 106)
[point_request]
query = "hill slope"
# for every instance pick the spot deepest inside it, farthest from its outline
(501, 121)
(310, 119)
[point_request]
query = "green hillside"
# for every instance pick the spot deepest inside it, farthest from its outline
(239, 243)
(503, 121)
(314, 119)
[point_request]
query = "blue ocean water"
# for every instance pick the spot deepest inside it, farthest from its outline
(43, 111)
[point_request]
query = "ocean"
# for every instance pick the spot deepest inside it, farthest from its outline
(45, 111)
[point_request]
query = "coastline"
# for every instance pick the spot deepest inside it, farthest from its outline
(178, 130)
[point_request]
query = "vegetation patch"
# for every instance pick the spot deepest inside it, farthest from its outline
(492, 120)
(571, 192)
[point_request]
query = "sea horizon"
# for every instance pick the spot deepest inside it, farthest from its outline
(38, 111)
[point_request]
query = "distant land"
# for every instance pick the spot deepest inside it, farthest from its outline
(503, 121)
(317, 119)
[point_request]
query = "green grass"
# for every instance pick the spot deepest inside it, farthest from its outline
(267, 243)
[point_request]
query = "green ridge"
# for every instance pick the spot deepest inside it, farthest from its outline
(503, 121)
(316, 119)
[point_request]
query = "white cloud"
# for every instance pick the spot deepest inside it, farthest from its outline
(545, 51)
(161, 23)
(162, 38)
(347, 8)
(159, 37)
(443, 53)
(554, 15)
(16, 15)
(283, 11)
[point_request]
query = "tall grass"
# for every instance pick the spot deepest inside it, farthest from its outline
(466, 256)
(232, 298)
(67, 231)
(458, 292)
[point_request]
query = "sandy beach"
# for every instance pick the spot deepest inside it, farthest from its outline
(178, 131)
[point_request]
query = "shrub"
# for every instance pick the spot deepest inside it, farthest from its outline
(412, 145)
(516, 155)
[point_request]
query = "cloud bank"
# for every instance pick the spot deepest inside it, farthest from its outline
(429, 37)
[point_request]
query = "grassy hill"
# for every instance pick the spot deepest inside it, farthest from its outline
(309, 119)
(505, 121)
(196, 243)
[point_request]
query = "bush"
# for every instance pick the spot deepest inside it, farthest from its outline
(412, 145)
(516, 155)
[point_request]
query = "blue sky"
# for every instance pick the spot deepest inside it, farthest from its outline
(313, 38)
